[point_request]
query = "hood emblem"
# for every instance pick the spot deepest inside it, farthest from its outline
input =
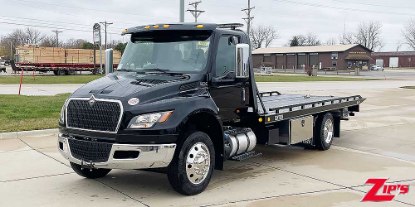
(133, 101)
(91, 100)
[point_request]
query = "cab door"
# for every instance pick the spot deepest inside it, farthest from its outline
(228, 92)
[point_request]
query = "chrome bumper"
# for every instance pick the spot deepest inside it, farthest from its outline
(150, 156)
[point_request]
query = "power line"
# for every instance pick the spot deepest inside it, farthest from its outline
(370, 4)
(195, 12)
(248, 17)
(343, 8)
(50, 27)
(32, 3)
(57, 36)
(46, 24)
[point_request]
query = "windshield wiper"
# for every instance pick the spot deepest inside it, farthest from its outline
(129, 70)
(157, 70)
(126, 70)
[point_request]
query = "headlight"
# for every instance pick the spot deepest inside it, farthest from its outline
(145, 121)
(62, 117)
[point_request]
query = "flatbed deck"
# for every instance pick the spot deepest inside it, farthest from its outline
(274, 106)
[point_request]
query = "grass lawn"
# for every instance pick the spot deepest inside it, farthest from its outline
(81, 79)
(22, 113)
(297, 78)
(65, 79)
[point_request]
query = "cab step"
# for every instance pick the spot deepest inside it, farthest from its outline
(245, 156)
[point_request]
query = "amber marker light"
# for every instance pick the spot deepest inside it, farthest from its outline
(165, 116)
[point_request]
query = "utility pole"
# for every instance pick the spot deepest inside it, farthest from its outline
(105, 31)
(181, 10)
(248, 17)
(195, 12)
(57, 36)
(11, 50)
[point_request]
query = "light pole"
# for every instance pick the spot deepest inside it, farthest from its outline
(181, 10)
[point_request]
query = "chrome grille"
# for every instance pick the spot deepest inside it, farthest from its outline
(98, 116)
(90, 151)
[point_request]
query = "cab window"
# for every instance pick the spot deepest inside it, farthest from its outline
(225, 57)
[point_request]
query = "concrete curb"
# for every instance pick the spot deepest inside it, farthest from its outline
(35, 133)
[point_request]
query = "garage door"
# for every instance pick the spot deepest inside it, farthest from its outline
(280, 62)
(301, 60)
(291, 63)
(314, 59)
(379, 62)
(393, 62)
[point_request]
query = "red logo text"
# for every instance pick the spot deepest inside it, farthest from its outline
(381, 192)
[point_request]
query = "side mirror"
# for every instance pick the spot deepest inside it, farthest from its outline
(242, 56)
(109, 63)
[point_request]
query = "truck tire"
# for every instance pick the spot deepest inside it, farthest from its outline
(324, 132)
(89, 173)
(190, 171)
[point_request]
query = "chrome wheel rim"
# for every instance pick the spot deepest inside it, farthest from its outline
(197, 163)
(328, 131)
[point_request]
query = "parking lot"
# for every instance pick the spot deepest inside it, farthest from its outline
(377, 143)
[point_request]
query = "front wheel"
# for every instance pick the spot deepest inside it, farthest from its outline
(88, 172)
(193, 164)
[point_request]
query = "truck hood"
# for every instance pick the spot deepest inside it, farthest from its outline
(147, 87)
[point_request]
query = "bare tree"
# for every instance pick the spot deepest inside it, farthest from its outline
(304, 40)
(347, 38)
(331, 41)
(262, 36)
(48, 41)
(74, 43)
(369, 35)
(312, 40)
(33, 36)
(409, 33)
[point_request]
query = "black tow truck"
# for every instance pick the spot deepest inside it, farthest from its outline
(184, 99)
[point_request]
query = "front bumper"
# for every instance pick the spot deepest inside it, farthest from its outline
(150, 155)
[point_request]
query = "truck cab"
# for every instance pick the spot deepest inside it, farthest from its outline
(184, 99)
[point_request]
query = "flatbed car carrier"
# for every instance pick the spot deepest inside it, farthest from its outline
(57, 68)
(184, 99)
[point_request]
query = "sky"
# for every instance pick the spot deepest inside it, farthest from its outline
(325, 18)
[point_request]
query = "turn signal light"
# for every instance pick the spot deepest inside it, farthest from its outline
(199, 26)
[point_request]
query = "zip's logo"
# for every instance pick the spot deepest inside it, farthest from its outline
(381, 192)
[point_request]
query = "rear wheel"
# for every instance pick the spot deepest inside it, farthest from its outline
(193, 164)
(324, 132)
(89, 172)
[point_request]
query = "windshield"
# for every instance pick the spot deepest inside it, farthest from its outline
(166, 51)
